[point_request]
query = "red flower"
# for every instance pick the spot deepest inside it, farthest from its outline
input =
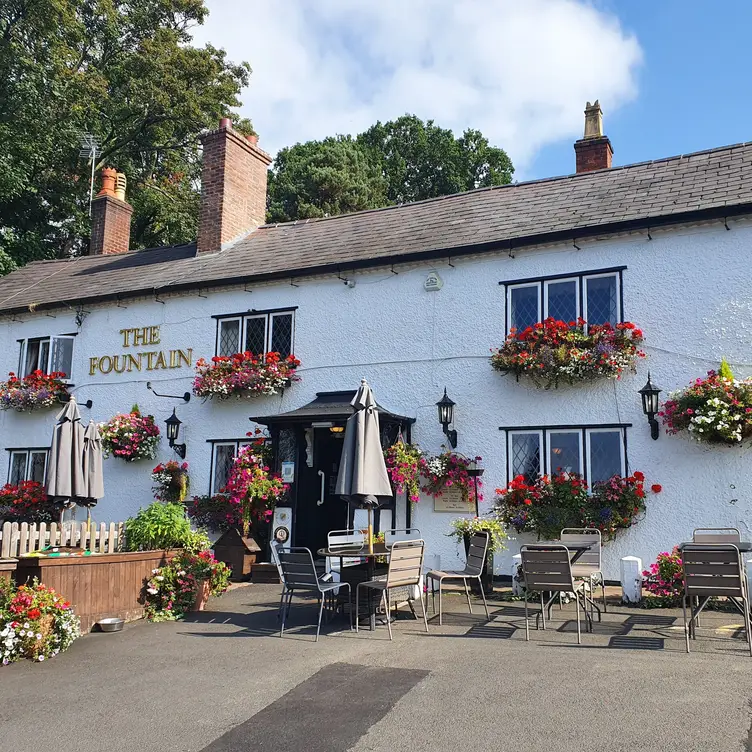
(33, 613)
(656, 488)
(639, 476)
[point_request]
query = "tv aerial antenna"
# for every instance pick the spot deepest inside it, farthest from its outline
(88, 151)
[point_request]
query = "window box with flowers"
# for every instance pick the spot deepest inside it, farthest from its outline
(172, 481)
(35, 391)
(714, 410)
(550, 503)
(244, 375)
(26, 502)
(552, 351)
(449, 470)
(130, 436)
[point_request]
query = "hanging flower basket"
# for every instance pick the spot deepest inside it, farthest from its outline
(449, 470)
(403, 466)
(714, 410)
(555, 351)
(172, 481)
(244, 375)
(130, 436)
(37, 390)
(551, 503)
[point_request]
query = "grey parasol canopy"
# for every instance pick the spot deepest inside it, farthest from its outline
(362, 478)
(65, 471)
(92, 465)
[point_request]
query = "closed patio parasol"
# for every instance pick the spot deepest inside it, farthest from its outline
(362, 478)
(92, 469)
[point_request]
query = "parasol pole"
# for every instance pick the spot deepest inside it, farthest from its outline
(370, 529)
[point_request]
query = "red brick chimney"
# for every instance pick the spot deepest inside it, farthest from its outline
(593, 151)
(110, 216)
(233, 187)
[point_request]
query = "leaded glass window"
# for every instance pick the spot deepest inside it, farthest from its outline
(258, 333)
(229, 337)
(601, 300)
(27, 464)
(525, 451)
(562, 300)
(605, 455)
(564, 452)
(255, 335)
(524, 307)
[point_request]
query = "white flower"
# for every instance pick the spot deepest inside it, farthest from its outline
(159, 578)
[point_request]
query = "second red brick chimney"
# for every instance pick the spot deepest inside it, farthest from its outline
(110, 216)
(233, 187)
(593, 151)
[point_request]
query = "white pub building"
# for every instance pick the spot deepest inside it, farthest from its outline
(412, 298)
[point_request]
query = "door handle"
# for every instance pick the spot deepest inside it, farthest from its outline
(323, 476)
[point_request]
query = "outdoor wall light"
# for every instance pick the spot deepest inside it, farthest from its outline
(173, 424)
(649, 394)
(446, 417)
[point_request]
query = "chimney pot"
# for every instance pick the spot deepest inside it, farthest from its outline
(109, 175)
(120, 185)
(593, 151)
(225, 124)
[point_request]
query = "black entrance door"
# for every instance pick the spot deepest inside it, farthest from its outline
(319, 510)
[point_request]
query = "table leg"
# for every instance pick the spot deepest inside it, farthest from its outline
(371, 570)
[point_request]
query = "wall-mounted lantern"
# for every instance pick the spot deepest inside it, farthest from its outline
(649, 394)
(173, 424)
(446, 418)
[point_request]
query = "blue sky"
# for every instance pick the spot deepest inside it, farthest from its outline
(671, 76)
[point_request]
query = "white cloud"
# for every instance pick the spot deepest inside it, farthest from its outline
(518, 71)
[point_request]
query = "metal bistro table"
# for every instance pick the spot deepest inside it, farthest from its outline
(356, 552)
(576, 550)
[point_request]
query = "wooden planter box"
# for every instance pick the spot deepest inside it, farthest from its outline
(97, 586)
(7, 567)
(238, 552)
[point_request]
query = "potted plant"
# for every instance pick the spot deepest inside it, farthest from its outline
(37, 390)
(463, 528)
(244, 375)
(130, 436)
(172, 481)
(553, 351)
(162, 526)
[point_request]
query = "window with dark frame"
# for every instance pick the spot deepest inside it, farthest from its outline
(595, 452)
(27, 464)
(46, 354)
(595, 296)
(258, 332)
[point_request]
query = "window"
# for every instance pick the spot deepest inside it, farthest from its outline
(27, 464)
(257, 332)
(595, 296)
(223, 454)
(595, 452)
(46, 354)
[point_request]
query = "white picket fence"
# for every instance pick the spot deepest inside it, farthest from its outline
(17, 539)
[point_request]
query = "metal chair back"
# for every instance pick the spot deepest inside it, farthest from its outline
(405, 564)
(297, 569)
(590, 559)
(346, 541)
(713, 570)
(400, 534)
(716, 535)
(276, 547)
(476, 553)
(547, 568)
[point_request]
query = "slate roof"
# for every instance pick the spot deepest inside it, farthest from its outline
(717, 182)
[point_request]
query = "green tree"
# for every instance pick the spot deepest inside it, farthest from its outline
(126, 73)
(323, 178)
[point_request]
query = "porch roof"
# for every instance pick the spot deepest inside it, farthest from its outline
(327, 406)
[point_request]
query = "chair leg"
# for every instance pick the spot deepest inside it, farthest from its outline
(425, 618)
(577, 607)
(745, 603)
(349, 604)
(686, 625)
(285, 612)
(321, 613)
(603, 589)
(357, 607)
(543, 609)
(467, 594)
(387, 607)
(440, 617)
(281, 603)
(527, 625)
(483, 595)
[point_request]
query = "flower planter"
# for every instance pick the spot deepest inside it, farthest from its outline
(238, 552)
(97, 586)
(203, 591)
(7, 567)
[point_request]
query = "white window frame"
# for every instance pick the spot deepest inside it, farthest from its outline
(268, 317)
(548, 461)
(46, 366)
(510, 288)
(548, 282)
(221, 323)
(235, 444)
(587, 277)
(588, 433)
(27, 453)
(510, 454)
(270, 329)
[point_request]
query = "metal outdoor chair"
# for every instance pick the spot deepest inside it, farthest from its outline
(588, 566)
(716, 535)
(400, 534)
(549, 569)
(298, 573)
(476, 558)
(713, 570)
(346, 541)
(405, 569)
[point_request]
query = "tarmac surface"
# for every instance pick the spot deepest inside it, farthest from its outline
(224, 682)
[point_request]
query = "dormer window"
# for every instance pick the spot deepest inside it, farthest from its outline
(46, 354)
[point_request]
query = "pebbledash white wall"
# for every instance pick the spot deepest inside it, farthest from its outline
(689, 289)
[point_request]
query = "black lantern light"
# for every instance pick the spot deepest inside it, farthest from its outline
(446, 417)
(173, 424)
(649, 394)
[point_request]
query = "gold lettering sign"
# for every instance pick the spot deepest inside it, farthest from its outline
(150, 360)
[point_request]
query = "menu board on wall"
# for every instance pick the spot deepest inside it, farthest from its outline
(452, 500)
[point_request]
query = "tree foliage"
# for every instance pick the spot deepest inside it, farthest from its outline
(391, 163)
(124, 72)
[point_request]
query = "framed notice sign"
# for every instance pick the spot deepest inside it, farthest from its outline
(452, 500)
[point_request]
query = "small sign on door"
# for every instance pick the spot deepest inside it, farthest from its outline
(288, 472)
